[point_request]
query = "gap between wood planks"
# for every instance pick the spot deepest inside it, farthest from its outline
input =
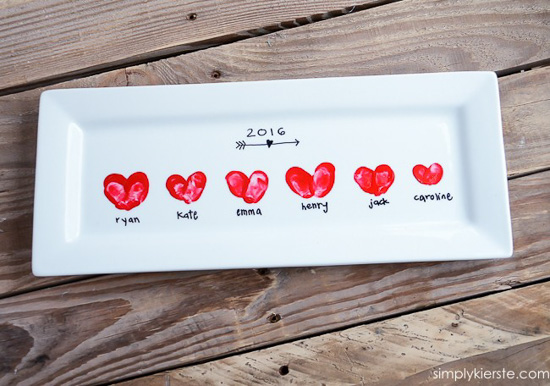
(523, 68)
(222, 41)
(335, 330)
(192, 47)
(529, 173)
(48, 286)
(475, 324)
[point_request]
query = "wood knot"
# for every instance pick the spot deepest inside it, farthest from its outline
(192, 16)
(274, 318)
(215, 74)
(283, 370)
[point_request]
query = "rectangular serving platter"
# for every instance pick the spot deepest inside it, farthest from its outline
(270, 174)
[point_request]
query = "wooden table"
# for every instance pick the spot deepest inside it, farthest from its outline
(395, 323)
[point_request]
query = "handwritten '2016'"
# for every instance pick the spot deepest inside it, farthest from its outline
(263, 132)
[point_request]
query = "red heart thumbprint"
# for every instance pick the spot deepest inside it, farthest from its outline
(376, 181)
(126, 193)
(428, 176)
(189, 190)
(252, 189)
(306, 185)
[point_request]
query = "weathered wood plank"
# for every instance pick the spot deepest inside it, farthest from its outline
(525, 106)
(18, 121)
(112, 327)
(410, 36)
(530, 363)
(41, 40)
(363, 34)
(405, 37)
(525, 119)
(509, 330)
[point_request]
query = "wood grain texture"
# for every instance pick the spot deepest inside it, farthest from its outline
(530, 363)
(510, 330)
(111, 327)
(406, 37)
(525, 96)
(45, 39)
(525, 106)
(526, 118)
(18, 121)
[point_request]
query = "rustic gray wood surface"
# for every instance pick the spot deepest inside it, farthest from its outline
(508, 330)
(98, 330)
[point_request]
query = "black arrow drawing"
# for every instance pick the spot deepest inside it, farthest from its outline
(269, 142)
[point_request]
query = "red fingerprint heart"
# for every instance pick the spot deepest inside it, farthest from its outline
(428, 176)
(189, 190)
(306, 185)
(375, 182)
(252, 189)
(126, 193)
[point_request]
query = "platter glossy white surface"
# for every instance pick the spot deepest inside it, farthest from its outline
(246, 155)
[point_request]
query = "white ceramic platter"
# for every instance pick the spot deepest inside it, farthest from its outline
(279, 173)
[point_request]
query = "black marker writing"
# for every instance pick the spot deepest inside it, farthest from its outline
(316, 205)
(380, 202)
(126, 221)
(249, 212)
(433, 197)
(191, 215)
